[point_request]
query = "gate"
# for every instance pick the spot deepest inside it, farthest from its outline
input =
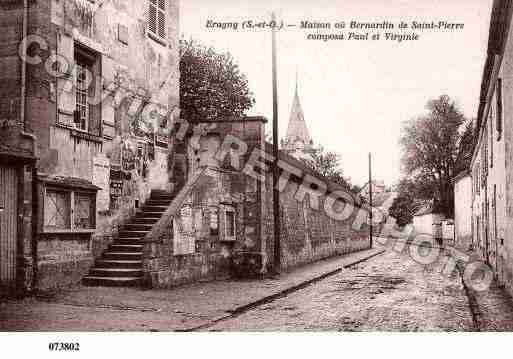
(8, 225)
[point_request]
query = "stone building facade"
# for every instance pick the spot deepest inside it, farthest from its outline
(491, 161)
(91, 99)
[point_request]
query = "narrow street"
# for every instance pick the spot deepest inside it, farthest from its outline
(389, 292)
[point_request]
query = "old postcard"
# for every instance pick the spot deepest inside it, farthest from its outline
(242, 166)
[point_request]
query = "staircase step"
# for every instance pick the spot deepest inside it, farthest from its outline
(128, 241)
(148, 214)
(143, 220)
(122, 255)
(137, 227)
(112, 281)
(158, 202)
(132, 234)
(113, 263)
(116, 272)
(118, 247)
(157, 194)
(156, 209)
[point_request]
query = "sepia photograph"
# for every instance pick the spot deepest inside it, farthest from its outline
(255, 168)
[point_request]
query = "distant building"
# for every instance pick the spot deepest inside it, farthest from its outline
(297, 142)
(383, 201)
(425, 217)
(378, 187)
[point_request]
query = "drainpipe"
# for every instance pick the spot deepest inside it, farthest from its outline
(23, 100)
(24, 65)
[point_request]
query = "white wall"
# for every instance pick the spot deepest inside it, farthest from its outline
(463, 210)
(424, 224)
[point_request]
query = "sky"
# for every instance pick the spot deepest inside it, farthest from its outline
(355, 94)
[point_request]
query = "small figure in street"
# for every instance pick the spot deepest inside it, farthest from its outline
(437, 233)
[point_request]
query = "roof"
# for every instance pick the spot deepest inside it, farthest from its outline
(16, 154)
(425, 209)
(500, 21)
(331, 186)
(69, 182)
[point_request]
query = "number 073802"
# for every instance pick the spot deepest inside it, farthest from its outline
(57, 346)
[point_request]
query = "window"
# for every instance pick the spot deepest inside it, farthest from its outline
(214, 221)
(68, 211)
(157, 19)
(57, 212)
(84, 211)
(87, 69)
(229, 225)
(82, 94)
(499, 109)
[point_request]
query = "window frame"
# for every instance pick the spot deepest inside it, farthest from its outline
(160, 12)
(72, 195)
(233, 214)
(89, 60)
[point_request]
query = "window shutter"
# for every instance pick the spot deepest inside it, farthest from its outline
(499, 109)
(95, 107)
(162, 19)
(152, 20)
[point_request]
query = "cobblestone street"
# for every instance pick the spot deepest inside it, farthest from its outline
(388, 292)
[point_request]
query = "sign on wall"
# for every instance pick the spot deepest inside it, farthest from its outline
(184, 236)
(101, 175)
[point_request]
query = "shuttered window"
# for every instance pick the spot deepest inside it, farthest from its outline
(157, 18)
(499, 109)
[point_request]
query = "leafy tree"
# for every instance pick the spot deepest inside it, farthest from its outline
(435, 149)
(211, 84)
(402, 210)
(327, 164)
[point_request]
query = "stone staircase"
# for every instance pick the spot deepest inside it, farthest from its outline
(121, 264)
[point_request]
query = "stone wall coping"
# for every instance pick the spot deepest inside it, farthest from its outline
(167, 217)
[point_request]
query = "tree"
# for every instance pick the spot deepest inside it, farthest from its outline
(435, 149)
(327, 164)
(211, 84)
(402, 210)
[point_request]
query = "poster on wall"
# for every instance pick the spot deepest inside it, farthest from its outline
(101, 176)
(184, 236)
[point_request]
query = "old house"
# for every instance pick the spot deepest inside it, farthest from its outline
(491, 160)
(90, 98)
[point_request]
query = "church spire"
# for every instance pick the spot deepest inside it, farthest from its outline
(297, 129)
(296, 82)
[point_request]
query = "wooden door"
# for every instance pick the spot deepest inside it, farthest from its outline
(8, 225)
